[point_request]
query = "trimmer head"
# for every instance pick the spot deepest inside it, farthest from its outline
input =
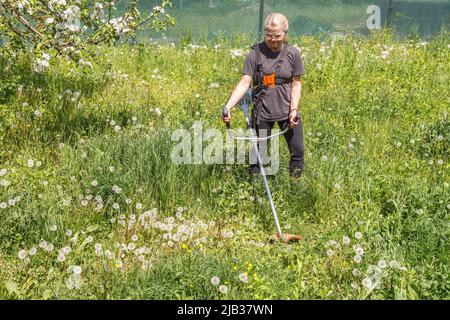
(287, 238)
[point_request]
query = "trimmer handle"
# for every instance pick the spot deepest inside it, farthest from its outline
(225, 114)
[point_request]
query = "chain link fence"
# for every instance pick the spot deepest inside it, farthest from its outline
(232, 18)
(209, 19)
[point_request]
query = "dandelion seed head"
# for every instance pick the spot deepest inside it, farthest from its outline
(243, 277)
(32, 251)
(394, 264)
(358, 235)
(4, 183)
(49, 247)
(215, 280)
(367, 282)
(23, 254)
(223, 289)
(76, 270)
(332, 243)
(382, 264)
(61, 257)
(346, 240)
(42, 244)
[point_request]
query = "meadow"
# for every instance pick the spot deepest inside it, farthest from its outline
(92, 206)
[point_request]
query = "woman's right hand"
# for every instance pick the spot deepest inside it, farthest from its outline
(226, 115)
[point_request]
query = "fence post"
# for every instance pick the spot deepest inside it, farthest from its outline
(261, 17)
(390, 15)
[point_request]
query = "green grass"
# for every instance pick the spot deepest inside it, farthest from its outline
(377, 149)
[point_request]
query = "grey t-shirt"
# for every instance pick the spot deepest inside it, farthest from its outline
(276, 101)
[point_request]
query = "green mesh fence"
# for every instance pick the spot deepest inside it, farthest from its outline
(231, 18)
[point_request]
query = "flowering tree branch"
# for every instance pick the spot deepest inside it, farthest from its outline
(25, 22)
(70, 27)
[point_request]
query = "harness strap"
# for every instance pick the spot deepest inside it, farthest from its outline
(260, 89)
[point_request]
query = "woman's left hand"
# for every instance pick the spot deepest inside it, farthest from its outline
(293, 118)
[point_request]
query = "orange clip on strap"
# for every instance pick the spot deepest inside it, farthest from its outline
(269, 81)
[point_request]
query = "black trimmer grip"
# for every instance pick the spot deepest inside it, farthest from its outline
(225, 114)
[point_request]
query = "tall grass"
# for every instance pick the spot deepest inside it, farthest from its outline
(376, 133)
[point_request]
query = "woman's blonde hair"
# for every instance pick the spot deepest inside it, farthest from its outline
(276, 19)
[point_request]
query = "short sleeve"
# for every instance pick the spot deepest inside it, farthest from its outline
(249, 64)
(298, 63)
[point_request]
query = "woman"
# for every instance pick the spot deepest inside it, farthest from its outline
(275, 68)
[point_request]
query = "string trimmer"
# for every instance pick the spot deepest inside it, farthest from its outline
(254, 139)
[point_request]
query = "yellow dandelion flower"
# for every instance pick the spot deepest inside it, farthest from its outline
(184, 246)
